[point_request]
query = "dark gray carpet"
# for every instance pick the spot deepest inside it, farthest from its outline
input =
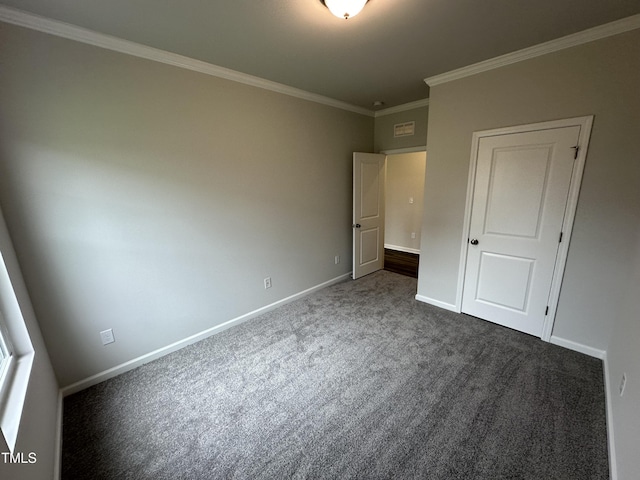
(356, 381)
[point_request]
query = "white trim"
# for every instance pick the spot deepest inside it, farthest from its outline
(567, 224)
(402, 249)
(471, 182)
(595, 33)
(57, 449)
(161, 352)
(13, 407)
(437, 303)
(585, 124)
(403, 108)
(90, 37)
(577, 347)
(17, 379)
(398, 151)
(608, 388)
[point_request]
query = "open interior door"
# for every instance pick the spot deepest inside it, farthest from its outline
(368, 213)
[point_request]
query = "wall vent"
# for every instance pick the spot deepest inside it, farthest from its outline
(404, 129)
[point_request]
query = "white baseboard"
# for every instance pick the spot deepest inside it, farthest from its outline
(437, 303)
(608, 388)
(577, 347)
(161, 352)
(402, 249)
(602, 355)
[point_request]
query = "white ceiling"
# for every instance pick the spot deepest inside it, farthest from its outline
(382, 54)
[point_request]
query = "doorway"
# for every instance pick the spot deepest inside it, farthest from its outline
(388, 191)
(403, 205)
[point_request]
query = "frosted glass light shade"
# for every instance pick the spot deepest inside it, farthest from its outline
(345, 8)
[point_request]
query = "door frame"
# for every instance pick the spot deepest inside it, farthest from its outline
(585, 123)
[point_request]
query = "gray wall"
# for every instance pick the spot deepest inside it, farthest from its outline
(599, 78)
(383, 136)
(599, 299)
(155, 200)
(623, 356)
(38, 424)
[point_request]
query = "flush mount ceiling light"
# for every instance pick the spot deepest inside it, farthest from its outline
(344, 8)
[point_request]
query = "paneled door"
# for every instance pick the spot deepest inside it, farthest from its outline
(522, 184)
(368, 213)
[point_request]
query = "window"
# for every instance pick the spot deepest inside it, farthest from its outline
(6, 357)
(16, 349)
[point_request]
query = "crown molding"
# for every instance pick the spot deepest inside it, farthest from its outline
(101, 40)
(595, 33)
(403, 108)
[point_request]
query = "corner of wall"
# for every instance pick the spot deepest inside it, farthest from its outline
(608, 388)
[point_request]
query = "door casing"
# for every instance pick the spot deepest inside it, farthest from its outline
(585, 124)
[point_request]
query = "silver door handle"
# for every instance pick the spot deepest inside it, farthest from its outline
(474, 241)
(357, 225)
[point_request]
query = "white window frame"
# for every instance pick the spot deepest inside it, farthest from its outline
(13, 329)
(7, 358)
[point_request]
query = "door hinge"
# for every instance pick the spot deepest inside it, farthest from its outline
(546, 312)
(576, 148)
(560, 239)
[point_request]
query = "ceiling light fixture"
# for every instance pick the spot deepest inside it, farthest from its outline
(344, 8)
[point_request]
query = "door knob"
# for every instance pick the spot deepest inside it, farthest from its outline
(357, 225)
(474, 241)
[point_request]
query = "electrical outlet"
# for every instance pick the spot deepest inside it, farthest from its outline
(267, 282)
(413, 234)
(337, 259)
(623, 383)
(411, 200)
(107, 337)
